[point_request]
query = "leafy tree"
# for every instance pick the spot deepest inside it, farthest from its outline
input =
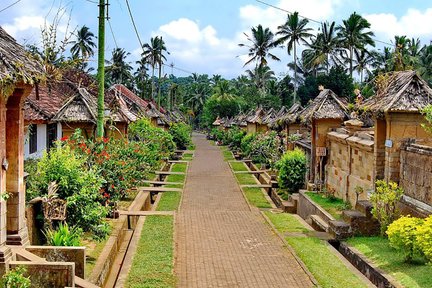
(220, 106)
(260, 76)
(119, 70)
(83, 45)
(353, 35)
(262, 40)
(293, 32)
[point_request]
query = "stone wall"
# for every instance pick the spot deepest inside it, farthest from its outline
(350, 164)
(416, 172)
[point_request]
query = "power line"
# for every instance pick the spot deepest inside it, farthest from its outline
(9, 6)
(141, 44)
(310, 19)
(112, 33)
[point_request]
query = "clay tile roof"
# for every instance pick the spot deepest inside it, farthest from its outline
(129, 97)
(327, 105)
(403, 91)
(16, 65)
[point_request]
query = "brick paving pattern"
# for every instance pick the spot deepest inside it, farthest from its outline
(220, 242)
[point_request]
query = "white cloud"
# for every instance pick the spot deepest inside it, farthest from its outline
(200, 49)
(414, 23)
(24, 23)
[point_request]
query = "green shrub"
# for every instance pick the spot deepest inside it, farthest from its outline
(384, 201)
(77, 184)
(156, 139)
(245, 144)
(181, 134)
(217, 135)
(64, 236)
(30, 167)
(265, 148)
(15, 278)
(402, 235)
(234, 137)
(424, 238)
(292, 170)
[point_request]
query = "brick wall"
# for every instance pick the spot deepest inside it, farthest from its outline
(416, 172)
(350, 164)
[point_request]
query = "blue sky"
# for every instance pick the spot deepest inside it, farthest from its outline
(202, 36)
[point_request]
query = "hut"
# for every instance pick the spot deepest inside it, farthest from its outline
(325, 112)
(18, 74)
(396, 109)
(254, 121)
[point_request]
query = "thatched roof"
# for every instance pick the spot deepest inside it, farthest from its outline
(136, 105)
(327, 105)
(82, 107)
(240, 120)
(291, 115)
(403, 91)
(16, 65)
(256, 116)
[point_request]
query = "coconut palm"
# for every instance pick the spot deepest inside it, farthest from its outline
(199, 92)
(294, 32)
(223, 90)
(364, 60)
(261, 41)
(83, 45)
(323, 48)
(260, 76)
(353, 35)
(160, 59)
(141, 76)
(118, 70)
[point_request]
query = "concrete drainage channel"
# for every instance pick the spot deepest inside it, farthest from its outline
(114, 264)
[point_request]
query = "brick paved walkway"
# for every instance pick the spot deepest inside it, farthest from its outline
(219, 241)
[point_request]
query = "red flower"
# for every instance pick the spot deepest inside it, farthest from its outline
(105, 140)
(64, 138)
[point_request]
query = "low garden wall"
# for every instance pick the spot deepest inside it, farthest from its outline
(306, 207)
(416, 177)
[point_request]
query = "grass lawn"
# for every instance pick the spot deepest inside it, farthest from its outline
(191, 147)
(238, 166)
(179, 167)
(228, 155)
(325, 266)
(256, 197)
(187, 156)
(246, 179)
(169, 201)
(378, 250)
(332, 206)
(152, 265)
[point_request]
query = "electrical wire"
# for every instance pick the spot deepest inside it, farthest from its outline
(9, 6)
(310, 19)
(112, 33)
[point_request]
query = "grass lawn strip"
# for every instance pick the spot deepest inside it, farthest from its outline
(227, 153)
(256, 197)
(245, 179)
(325, 266)
(170, 201)
(379, 252)
(153, 263)
(332, 206)
(238, 166)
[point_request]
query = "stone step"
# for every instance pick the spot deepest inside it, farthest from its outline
(169, 173)
(147, 213)
(81, 283)
(289, 207)
(365, 207)
(339, 230)
(159, 189)
(294, 198)
(318, 223)
(22, 254)
(162, 182)
(350, 216)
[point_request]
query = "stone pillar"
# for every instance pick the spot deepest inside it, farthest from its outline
(379, 149)
(16, 224)
(5, 252)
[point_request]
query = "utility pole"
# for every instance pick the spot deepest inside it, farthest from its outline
(101, 71)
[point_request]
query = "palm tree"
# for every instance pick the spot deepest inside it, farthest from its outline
(160, 59)
(223, 90)
(322, 49)
(294, 31)
(119, 71)
(149, 55)
(260, 76)
(262, 40)
(364, 60)
(141, 75)
(199, 92)
(353, 36)
(83, 45)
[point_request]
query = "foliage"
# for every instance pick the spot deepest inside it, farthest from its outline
(234, 137)
(427, 112)
(402, 235)
(292, 170)
(265, 148)
(30, 167)
(424, 238)
(384, 201)
(217, 135)
(245, 144)
(222, 107)
(181, 134)
(77, 184)
(64, 235)
(15, 278)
